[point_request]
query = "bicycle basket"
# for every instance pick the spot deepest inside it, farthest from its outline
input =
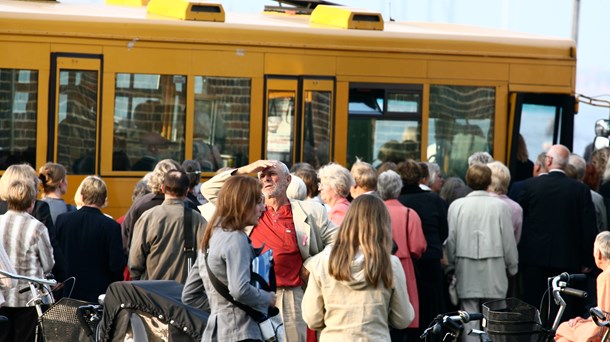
(511, 320)
(60, 323)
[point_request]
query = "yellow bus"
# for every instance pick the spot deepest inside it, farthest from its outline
(110, 90)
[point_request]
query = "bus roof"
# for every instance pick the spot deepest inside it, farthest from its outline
(274, 30)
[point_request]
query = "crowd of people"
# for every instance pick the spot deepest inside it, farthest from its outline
(360, 254)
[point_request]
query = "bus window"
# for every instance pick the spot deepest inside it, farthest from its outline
(149, 119)
(384, 123)
(461, 123)
(221, 102)
(281, 110)
(537, 128)
(77, 103)
(280, 128)
(18, 108)
(317, 111)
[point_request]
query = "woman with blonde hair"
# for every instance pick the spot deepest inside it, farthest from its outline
(28, 247)
(358, 269)
(41, 210)
(54, 186)
(226, 252)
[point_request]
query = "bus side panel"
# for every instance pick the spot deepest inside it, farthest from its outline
(468, 70)
(548, 75)
(288, 64)
(381, 67)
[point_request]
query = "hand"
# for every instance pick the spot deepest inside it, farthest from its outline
(572, 322)
(255, 167)
(304, 274)
(57, 286)
(272, 300)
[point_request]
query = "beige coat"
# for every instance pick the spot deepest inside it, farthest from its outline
(354, 310)
(481, 245)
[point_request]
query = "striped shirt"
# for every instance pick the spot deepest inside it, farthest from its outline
(26, 241)
(5, 265)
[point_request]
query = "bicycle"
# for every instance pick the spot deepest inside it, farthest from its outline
(450, 326)
(67, 319)
(41, 295)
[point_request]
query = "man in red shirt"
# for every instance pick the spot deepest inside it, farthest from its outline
(294, 230)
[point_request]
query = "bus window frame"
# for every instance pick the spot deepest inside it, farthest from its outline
(563, 130)
(73, 61)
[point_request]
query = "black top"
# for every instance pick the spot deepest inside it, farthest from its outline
(93, 249)
(432, 211)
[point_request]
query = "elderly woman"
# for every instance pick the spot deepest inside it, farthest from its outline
(41, 210)
(406, 232)
(335, 184)
(481, 246)
(500, 179)
(27, 244)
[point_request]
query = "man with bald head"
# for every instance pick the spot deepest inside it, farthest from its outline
(558, 228)
(294, 230)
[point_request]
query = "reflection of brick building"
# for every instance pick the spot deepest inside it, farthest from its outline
(230, 116)
(18, 107)
(77, 128)
(316, 140)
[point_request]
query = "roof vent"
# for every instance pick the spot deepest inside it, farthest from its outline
(347, 18)
(187, 10)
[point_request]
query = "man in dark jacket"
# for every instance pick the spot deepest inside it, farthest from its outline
(558, 228)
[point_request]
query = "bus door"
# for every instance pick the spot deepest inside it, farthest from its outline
(298, 120)
(74, 107)
(542, 120)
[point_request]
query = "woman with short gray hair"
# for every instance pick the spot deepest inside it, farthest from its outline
(335, 184)
(407, 233)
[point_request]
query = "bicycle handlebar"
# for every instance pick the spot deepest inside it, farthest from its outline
(570, 277)
(574, 292)
(454, 323)
(50, 282)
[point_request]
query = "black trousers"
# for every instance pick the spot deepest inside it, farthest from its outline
(21, 325)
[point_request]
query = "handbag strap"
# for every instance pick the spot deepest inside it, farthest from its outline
(224, 291)
(189, 246)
